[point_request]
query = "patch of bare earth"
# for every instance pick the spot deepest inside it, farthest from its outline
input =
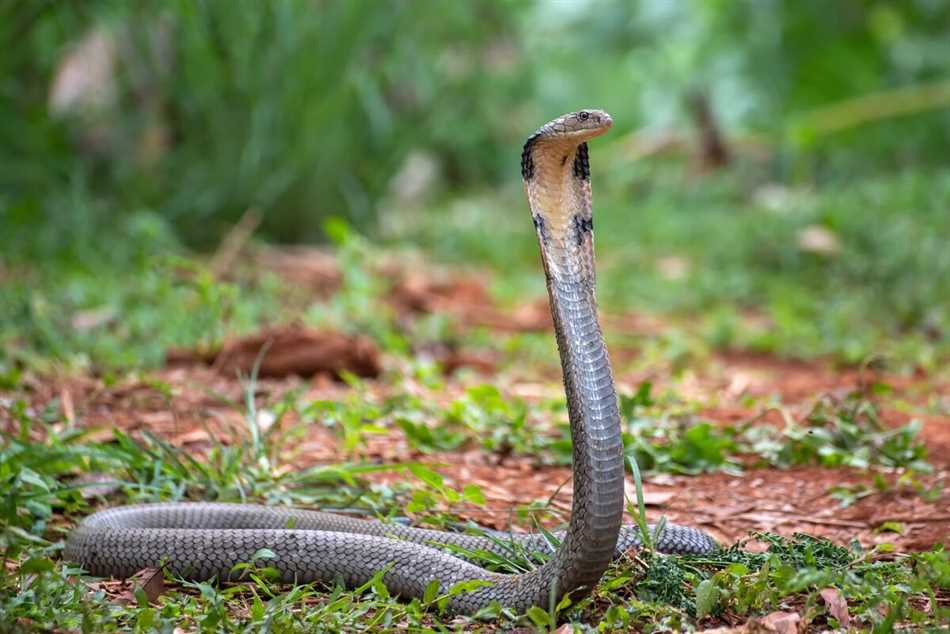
(194, 405)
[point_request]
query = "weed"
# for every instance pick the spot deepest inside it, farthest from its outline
(357, 306)
(497, 422)
(743, 279)
(834, 433)
(734, 584)
(112, 317)
(40, 484)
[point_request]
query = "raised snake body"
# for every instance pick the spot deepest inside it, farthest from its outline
(204, 540)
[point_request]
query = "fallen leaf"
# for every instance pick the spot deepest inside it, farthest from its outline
(99, 434)
(69, 410)
(673, 267)
(662, 479)
(86, 320)
(151, 581)
(650, 498)
(290, 350)
(818, 239)
(309, 267)
(85, 78)
(776, 622)
(837, 606)
(197, 435)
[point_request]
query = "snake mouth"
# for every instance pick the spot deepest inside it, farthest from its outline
(601, 119)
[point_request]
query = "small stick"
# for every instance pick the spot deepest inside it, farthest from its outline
(910, 519)
(234, 241)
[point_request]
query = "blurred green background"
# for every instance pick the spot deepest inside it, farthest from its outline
(778, 175)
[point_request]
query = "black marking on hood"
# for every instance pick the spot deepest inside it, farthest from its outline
(539, 226)
(527, 160)
(582, 163)
(582, 227)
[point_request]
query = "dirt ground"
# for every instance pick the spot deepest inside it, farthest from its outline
(188, 404)
(197, 396)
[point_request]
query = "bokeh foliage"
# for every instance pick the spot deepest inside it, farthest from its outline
(298, 109)
(309, 109)
(305, 109)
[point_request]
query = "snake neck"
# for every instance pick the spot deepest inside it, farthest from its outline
(560, 199)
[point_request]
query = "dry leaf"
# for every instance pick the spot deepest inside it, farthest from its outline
(290, 350)
(673, 267)
(775, 623)
(69, 410)
(818, 239)
(650, 498)
(837, 606)
(197, 435)
(151, 581)
(85, 78)
(96, 484)
(662, 479)
(86, 320)
(99, 434)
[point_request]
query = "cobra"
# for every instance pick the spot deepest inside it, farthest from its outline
(205, 540)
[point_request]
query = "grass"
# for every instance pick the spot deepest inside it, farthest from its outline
(736, 261)
(730, 256)
(46, 464)
(665, 436)
(834, 247)
(83, 306)
(725, 262)
(108, 312)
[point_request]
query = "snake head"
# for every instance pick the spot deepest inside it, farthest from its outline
(558, 139)
(575, 127)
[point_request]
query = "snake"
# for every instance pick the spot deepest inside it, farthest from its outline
(201, 541)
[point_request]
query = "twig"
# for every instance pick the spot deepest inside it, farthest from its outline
(69, 409)
(714, 516)
(558, 490)
(828, 522)
(713, 150)
(852, 113)
(910, 519)
(787, 516)
(234, 241)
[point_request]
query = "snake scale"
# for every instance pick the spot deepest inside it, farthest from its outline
(205, 540)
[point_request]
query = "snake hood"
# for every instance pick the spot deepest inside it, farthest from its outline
(555, 167)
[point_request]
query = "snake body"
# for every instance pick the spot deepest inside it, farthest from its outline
(205, 540)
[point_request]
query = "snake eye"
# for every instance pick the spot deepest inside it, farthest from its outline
(583, 115)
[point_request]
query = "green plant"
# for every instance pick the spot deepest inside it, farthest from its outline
(358, 306)
(497, 422)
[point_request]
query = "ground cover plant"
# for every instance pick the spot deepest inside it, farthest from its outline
(71, 444)
(277, 256)
(54, 469)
